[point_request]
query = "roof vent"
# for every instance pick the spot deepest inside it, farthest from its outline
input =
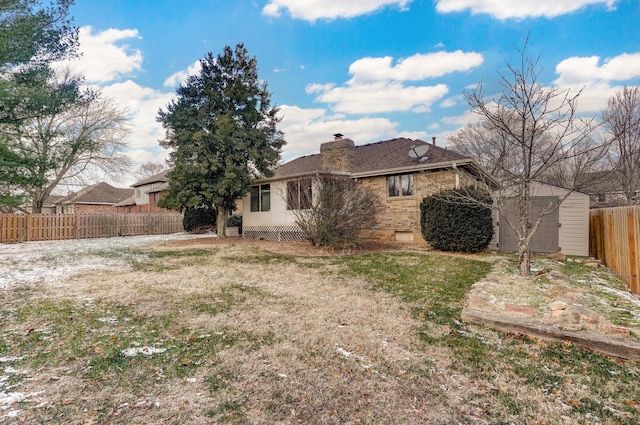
(338, 136)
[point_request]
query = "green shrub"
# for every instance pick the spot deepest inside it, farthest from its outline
(199, 219)
(456, 220)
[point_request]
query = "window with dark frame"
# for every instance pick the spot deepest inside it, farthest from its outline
(400, 185)
(299, 194)
(260, 198)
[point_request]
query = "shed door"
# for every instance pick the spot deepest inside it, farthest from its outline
(546, 239)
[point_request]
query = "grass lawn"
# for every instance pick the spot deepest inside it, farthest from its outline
(231, 334)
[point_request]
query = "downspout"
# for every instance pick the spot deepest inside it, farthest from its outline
(457, 173)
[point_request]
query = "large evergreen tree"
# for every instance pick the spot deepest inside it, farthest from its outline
(32, 37)
(221, 133)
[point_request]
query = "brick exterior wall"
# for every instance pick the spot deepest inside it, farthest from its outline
(399, 216)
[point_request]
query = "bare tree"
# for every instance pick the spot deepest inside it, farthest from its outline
(621, 117)
(337, 211)
(73, 146)
(149, 169)
(527, 132)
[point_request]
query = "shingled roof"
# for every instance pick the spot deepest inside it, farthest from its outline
(376, 158)
(99, 193)
(161, 177)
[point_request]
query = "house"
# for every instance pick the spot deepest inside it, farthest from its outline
(605, 190)
(97, 198)
(49, 206)
(145, 195)
(565, 230)
(402, 171)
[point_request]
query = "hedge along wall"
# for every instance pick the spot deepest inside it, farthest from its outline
(400, 216)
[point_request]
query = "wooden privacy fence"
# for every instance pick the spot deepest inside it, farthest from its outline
(40, 227)
(614, 238)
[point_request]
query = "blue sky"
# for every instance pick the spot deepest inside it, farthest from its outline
(370, 69)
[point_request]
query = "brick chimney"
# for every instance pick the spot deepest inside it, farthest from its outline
(337, 155)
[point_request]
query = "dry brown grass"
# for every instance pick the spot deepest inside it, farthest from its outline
(337, 352)
(253, 338)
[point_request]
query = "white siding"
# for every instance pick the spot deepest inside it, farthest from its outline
(574, 229)
(278, 215)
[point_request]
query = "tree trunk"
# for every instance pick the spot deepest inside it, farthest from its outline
(221, 222)
(36, 206)
(524, 261)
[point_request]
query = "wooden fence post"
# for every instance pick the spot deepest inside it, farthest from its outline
(633, 284)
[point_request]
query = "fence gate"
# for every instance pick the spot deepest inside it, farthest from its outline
(546, 239)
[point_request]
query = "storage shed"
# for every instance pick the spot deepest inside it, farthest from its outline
(566, 230)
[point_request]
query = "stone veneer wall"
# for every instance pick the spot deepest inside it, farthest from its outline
(402, 213)
(337, 156)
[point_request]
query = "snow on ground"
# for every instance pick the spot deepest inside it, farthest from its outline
(50, 261)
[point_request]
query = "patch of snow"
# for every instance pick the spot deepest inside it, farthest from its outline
(344, 352)
(366, 364)
(52, 261)
(8, 399)
(111, 320)
(147, 351)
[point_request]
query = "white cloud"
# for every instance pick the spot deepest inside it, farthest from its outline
(306, 129)
(577, 70)
(422, 135)
(595, 78)
(312, 10)
(505, 9)
(451, 101)
(143, 104)
(382, 97)
(179, 77)
(377, 84)
(468, 117)
(414, 68)
(103, 59)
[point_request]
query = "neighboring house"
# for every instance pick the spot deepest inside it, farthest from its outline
(49, 206)
(401, 171)
(146, 195)
(605, 191)
(565, 230)
(97, 198)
